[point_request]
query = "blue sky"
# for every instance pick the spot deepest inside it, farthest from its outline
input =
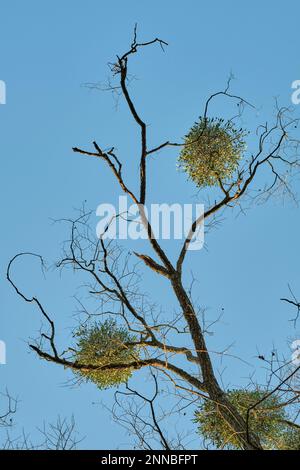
(48, 51)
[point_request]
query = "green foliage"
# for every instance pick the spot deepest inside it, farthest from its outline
(104, 344)
(212, 151)
(291, 440)
(267, 421)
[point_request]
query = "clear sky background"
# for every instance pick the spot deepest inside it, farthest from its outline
(48, 50)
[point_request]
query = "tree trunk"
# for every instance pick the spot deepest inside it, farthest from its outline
(227, 410)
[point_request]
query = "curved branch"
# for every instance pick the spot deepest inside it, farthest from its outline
(136, 365)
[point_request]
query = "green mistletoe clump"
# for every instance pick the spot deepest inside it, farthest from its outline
(268, 420)
(102, 345)
(212, 151)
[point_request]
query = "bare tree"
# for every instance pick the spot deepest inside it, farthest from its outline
(295, 303)
(61, 435)
(9, 409)
(114, 277)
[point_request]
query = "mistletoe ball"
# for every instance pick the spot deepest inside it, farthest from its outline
(212, 151)
(105, 344)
